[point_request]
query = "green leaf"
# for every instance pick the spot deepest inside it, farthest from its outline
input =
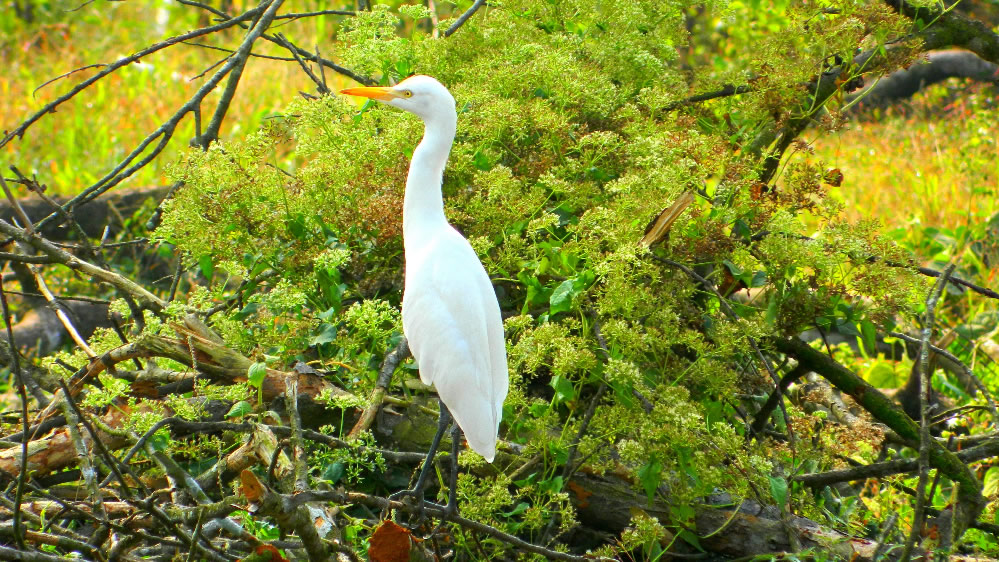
(736, 270)
(870, 336)
(991, 482)
(882, 375)
(481, 161)
(207, 266)
(650, 476)
(778, 489)
(239, 409)
(296, 226)
(327, 333)
(247, 311)
(256, 373)
(561, 299)
(564, 390)
(334, 471)
(518, 509)
(771, 316)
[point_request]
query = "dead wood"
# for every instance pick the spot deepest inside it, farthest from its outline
(108, 211)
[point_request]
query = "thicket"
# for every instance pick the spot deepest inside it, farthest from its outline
(649, 368)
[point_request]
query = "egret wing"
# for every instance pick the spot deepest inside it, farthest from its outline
(453, 324)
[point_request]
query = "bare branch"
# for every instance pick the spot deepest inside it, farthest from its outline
(464, 17)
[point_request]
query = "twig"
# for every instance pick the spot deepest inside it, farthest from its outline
(75, 263)
(165, 131)
(384, 504)
(763, 416)
(886, 530)
(367, 81)
(24, 258)
(18, 210)
(727, 309)
(464, 17)
(725, 91)
(22, 394)
(923, 369)
(320, 85)
(61, 314)
(51, 106)
(930, 272)
(391, 361)
(989, 401)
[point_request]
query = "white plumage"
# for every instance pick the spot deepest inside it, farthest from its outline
(449, 309)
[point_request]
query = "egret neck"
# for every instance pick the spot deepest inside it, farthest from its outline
(423, 208)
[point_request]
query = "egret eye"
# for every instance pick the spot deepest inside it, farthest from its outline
(407, 93)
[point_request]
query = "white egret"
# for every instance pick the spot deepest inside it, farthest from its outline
(449, 310)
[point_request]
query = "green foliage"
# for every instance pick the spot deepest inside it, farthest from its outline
(568, 144)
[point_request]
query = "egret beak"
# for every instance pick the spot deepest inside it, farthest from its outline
(377, 93)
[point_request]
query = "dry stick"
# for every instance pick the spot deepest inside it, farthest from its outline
(22, 393)
(464, 17)
(87, 468)
(320, 84)
(77, 264)
(239, 59)
(111, 524)
(389, 364)
(300, 466)
(923, 368)
(181, 476)
(18, 210)
(989, 401)
(61, 314)
(99, 446)
(23, 258)
(725, 91)
(367, 81)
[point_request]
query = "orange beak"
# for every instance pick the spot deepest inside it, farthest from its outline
(376, 93)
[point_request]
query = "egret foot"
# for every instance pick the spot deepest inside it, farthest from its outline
(416, 491)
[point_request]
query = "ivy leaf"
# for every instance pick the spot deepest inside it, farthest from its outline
(870, 335)
(255, 374)
(334, 471)
(239, 409)
(564, 390)
(207, 266)
(327, 333)
(520, 508)
(778, 489)
(650, 476)
(736, 270)
(561, 299)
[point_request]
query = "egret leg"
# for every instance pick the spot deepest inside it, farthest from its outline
(452, 496)
(417, 490)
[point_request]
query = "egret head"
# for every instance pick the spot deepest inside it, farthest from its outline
(422, 95)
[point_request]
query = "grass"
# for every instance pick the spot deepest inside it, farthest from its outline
(90, 134)
(928, 166)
